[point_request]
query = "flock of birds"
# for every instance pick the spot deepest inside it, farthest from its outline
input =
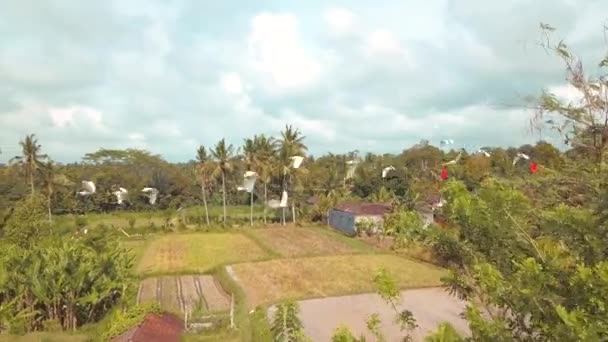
(250, 177)
(89, 188)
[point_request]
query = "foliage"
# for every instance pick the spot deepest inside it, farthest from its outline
(27, 222)
(286, 325)
(343, 334)
(405, 226)
(445, 333)
(122, 320)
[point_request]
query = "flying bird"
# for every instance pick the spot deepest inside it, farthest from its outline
(248, 182)
(519, 156)
(283, 203)
(484, 152)
(296, 161)
(274, 204)
(151, 193)
(89, 188)
(386, 170)
(351, 168)
(121, 195)
(454, 161)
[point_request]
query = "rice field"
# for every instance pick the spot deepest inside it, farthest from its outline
(196, 252)
(271, 281)
(294, 241)
(180, 293)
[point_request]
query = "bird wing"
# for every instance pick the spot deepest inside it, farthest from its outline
(283, 203)
(296, 161)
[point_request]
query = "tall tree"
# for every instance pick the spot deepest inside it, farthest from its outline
(203, 167)
(291, 144)
(584, 122)
(223, 154)
(265, 151)
(30, 159)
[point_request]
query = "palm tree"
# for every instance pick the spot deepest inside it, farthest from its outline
(291, 144)
(265, 151)
(203, 158)
(31, 159)
(223, 155)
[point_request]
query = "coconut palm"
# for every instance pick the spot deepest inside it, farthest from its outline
(291, 144)
(223, 154)
(265, 151)
(203, 167)
(31, 159)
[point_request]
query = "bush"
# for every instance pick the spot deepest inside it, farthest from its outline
(121, 321)
(446, 248)
(80, 221)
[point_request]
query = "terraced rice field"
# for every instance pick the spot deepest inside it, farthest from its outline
(298, 242)
(177, 294)
(196, 253)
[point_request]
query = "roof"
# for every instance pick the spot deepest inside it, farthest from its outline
(363, 208)
(154, 328)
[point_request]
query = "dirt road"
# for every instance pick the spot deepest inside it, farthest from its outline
(429, 306)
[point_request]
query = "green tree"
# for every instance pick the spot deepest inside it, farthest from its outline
(203, 169)
(286, 325)
(265, 151)
(30, 159)
(223, 154)
(291, 144)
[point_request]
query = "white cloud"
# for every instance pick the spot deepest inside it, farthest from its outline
(277, 49)
(383, 41)
(231, 83)
(340, 20)
(68, 116)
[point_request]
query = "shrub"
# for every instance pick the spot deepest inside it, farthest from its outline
(132, 221)
(121, 321)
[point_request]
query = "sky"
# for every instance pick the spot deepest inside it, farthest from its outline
(378, 76)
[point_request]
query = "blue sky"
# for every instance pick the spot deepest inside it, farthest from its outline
(374, 76)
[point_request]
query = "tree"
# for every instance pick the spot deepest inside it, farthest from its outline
(223, 154)
(583, 123)
(291, 144)
(286, 325)
(265, 151)
(203, 167)
(30, 158)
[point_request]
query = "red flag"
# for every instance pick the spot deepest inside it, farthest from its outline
(533, 167)
(444, 173)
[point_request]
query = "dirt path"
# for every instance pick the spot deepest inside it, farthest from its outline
(429, 306)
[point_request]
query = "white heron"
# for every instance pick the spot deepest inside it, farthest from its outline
(249, 179)
(454, 161)
(151, 193)
(351, 168)
(446, 142)
(89, 188)
(283, 203)
(386, 170)
(520, 156)
(274, 204)
(121, 195)
(296, 161)
(484, 152)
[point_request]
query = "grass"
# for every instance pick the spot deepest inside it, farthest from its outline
(196, 253)
(299, 241)
(135, 248)
(45, 337)
(275, 280)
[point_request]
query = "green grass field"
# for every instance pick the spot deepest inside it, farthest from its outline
(196, 252)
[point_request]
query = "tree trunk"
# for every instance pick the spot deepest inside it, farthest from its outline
(251, 209)
(265, 201)
(205, 200)
(48, 203)
(32, 182)
(224, 194)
